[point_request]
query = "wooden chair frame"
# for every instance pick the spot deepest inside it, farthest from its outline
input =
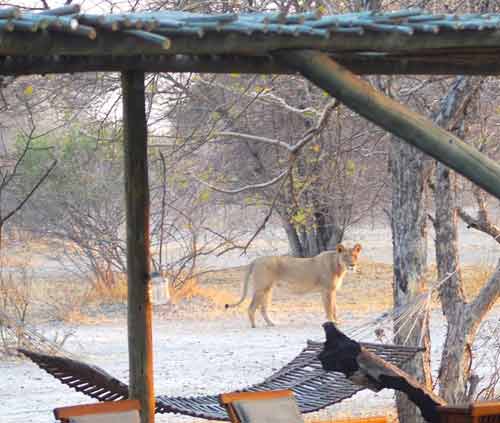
(63, 414)
(478, 412)
(226, 400)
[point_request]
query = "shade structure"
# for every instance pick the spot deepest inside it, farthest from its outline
(399, 42)
(65, 40)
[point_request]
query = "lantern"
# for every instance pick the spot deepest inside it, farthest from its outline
(159, 288)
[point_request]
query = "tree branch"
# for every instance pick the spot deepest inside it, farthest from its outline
(25, 199)
(480, 224)
(323, 119)
(246, 187)
(487, 297)
(257, 138)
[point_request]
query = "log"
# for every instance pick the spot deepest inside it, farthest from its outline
(364, 368)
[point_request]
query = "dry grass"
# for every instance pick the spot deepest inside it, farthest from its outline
(367, 291)
(109, 293)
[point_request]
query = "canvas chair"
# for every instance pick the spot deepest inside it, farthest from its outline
(262, 407)
(125, 411)
(273, 407)
(477, 412)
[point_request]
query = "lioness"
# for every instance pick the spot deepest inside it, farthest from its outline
(323, 273)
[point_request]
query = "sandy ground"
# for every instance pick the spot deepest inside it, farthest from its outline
(199, 348)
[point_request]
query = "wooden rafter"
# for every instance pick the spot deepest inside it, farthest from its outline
(469, 63)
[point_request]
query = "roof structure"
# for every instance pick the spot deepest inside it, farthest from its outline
(406, 41)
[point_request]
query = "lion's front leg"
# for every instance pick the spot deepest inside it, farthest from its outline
(330, 304)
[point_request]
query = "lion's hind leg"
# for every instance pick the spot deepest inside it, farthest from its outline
(260, 301)
(252, 308)
(266, 301)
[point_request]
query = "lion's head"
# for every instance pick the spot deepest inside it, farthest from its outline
(348, 257)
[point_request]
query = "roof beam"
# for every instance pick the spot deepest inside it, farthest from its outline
(417, 130)
(256, 44)
(440, 64)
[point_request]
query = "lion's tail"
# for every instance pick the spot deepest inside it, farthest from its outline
(245, 286)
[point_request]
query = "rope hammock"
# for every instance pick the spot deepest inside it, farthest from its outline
(314, 387)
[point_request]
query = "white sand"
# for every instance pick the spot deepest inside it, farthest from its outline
(201, 349)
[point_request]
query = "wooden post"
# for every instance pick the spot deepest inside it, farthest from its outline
(361, 97)
(138, 255)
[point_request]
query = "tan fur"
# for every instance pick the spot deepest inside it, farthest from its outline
(324, 273)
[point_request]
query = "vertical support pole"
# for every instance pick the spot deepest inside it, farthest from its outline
(140, 337)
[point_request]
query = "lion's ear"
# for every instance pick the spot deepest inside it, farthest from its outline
(340, 248)
(357, 248)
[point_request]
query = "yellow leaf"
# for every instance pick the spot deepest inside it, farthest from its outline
(350, 167)
(234, 75)
(205, 195)
(28, 90)
(300, 217)
(316, 148)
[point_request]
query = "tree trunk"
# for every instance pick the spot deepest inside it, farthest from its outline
(408, 221)
(455, 358)
(293, 238)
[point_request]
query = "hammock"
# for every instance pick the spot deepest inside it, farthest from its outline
(314, 387)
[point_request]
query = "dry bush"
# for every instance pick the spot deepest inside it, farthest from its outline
(24, 310)
(63, 300)
(103, 292)
(15, 303)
